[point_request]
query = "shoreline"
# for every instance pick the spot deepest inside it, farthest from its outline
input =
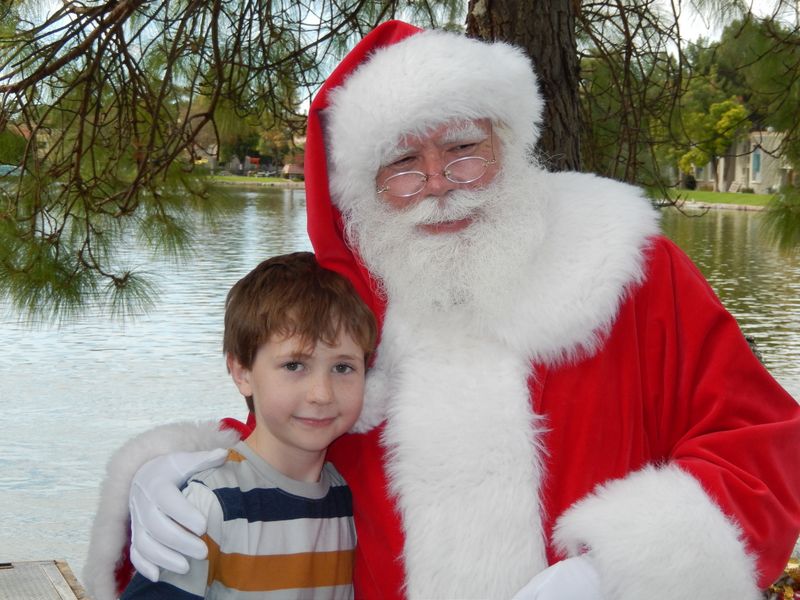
(697, 205)
(288, 185)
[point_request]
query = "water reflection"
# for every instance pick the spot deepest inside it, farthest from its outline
(73, 394)
(756, 282)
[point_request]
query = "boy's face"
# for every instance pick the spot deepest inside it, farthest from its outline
(303, 398)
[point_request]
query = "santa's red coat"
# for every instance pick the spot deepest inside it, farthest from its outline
(673, 385)
(676, 382)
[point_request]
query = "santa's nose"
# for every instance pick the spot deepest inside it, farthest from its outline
(436, 184)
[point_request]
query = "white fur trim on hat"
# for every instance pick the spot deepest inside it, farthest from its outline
(425, 80)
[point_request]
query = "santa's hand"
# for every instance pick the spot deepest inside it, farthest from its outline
(571, 579)
(161, 516)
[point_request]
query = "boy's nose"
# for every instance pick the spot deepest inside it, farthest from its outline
(321, 390)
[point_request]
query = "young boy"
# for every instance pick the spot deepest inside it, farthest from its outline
(280, 519)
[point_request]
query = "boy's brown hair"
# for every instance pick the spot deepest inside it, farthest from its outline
(293, 295)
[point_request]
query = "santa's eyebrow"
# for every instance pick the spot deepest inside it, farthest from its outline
(395, 153)
(459, 132)
(466, 130)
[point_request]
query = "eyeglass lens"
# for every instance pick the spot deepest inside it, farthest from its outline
(461, 170)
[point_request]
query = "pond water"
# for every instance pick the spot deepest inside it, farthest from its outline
(73, 394)
(756, 282)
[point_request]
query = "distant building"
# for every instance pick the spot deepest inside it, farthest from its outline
(754, 163)
(235, 165)
(207, 156)
(293, 171)
(294, 167)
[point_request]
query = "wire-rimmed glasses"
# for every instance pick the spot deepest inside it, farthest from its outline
(461, 170)
(466, 169)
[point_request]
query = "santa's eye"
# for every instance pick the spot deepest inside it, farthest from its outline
(465, 147)
(403, 164)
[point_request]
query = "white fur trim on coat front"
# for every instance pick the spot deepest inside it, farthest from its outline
(110, 528)
(465, 465)
(642, 530)
(592, 252)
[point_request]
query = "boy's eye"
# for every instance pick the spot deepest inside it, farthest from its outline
(343, 368)
(293, 366)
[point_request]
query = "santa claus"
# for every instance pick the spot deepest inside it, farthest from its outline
(559, 399)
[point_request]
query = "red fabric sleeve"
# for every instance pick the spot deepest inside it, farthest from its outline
(719, 413)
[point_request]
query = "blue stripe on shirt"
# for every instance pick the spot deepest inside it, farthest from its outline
(274, 504)
(143, 589)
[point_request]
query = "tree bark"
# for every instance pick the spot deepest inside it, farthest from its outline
(546, 31)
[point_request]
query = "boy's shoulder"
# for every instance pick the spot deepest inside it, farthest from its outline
(245, 470)
(228, 474)
(332, 475)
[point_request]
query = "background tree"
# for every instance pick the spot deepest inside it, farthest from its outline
(118, 96)
(115, 94)
(714, 129)
(12, 147)
(276, 144)
(546, 30)
(760, 59)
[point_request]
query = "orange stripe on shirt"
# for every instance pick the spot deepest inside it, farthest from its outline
(248, 573)
(234, 456)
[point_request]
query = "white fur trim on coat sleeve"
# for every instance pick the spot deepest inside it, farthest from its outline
(110, 528)
(656, 534)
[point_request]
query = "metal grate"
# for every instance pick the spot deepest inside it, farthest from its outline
(41, 580)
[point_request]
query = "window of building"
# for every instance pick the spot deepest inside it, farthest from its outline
(755, 164)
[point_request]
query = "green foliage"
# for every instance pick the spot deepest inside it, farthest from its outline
(712, 131)
(121, 99)
(625, 99)
(63, 251)
(759, 61)
(782, 219)
(12, 148)
(650, 102)
(240, 145)
(759, 58)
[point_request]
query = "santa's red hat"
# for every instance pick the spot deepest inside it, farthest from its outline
(400, 80)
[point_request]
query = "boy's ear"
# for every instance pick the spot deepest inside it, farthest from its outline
(240, 375)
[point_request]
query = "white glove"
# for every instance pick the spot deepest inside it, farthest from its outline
(158, 509)
(571, 579)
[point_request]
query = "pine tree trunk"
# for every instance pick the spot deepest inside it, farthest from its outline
(546, 30)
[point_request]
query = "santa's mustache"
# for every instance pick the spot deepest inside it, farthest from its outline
(453, 206)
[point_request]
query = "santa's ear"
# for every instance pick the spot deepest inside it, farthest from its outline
(239, 374)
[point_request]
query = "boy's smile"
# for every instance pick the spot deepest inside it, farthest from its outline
(304, 397)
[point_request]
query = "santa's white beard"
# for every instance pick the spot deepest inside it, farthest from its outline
(467, 272)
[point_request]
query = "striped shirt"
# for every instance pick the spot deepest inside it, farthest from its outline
(269, 537)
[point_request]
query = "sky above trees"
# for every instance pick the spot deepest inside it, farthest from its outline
(694, 24)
